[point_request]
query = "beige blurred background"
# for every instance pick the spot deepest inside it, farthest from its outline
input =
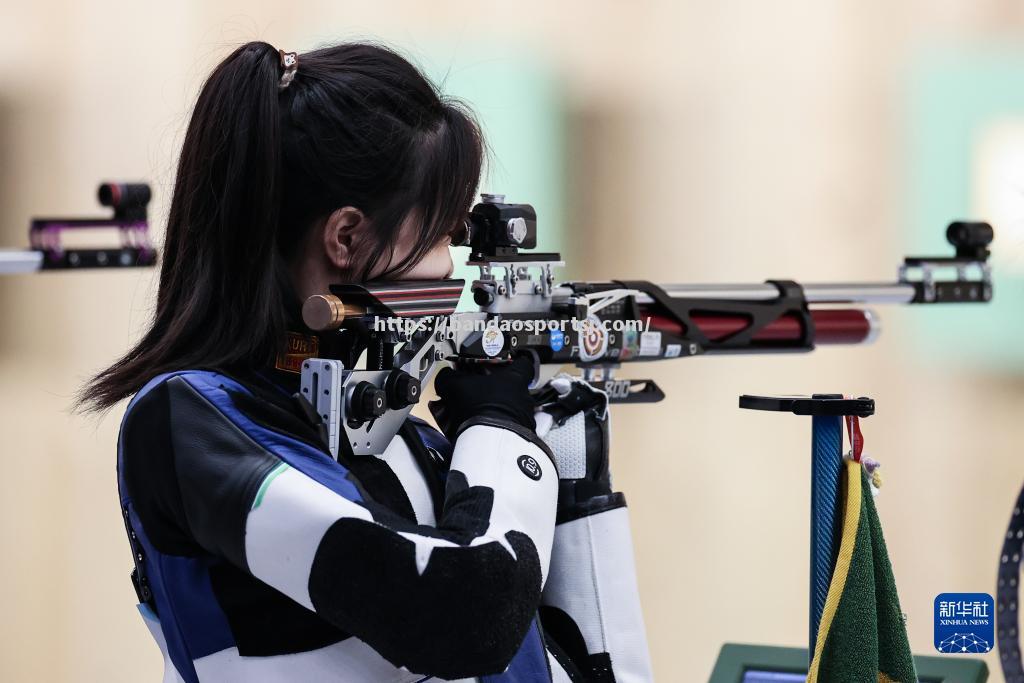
(704, 141)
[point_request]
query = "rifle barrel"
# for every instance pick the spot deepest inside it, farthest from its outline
(840, 293)
(20, 260)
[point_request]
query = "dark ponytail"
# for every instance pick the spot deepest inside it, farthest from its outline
(359, 126)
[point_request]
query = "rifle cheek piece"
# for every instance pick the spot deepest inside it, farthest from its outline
(326, 312)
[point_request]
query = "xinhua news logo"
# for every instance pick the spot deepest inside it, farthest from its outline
(964, 623)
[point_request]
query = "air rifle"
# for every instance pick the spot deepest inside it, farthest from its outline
(49, 252)
(405, 330)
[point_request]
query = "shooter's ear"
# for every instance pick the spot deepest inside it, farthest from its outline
(342, 229)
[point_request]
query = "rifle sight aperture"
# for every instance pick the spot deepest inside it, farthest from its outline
(497, 229)
(128, 200)
(970, 239)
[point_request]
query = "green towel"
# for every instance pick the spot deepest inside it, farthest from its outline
(862, 637)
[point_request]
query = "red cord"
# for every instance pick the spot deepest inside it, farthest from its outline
(856, 438)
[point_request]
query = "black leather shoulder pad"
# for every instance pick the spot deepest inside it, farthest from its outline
(218, 467)
(147, 467)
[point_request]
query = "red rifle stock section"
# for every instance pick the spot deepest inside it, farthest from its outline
(831, 326)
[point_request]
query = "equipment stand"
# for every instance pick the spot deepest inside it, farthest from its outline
(827, 412)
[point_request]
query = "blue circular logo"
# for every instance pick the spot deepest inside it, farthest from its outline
(557, 340)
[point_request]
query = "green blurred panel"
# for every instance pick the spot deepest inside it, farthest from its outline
(954, 98)
(519, 104)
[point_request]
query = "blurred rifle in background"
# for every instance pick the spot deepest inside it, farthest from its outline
(49, 251)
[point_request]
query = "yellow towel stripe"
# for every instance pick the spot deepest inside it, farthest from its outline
(851, 520)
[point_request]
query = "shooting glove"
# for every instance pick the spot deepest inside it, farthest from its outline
(498, 391)
(590, 605)
(573, 421)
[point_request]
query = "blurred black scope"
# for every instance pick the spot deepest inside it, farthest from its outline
(129, 200)
(494, 228)
(971, 239)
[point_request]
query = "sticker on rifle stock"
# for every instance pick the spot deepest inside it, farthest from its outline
(557, 340)
(492, 341)
(630, 344)
(650, 343)
(593, 338)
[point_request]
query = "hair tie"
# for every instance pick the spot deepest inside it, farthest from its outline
(289, 65)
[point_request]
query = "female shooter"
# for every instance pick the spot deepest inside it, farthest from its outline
(258, 556)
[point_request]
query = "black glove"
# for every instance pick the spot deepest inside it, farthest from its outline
(498, 391)
(578, 436)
